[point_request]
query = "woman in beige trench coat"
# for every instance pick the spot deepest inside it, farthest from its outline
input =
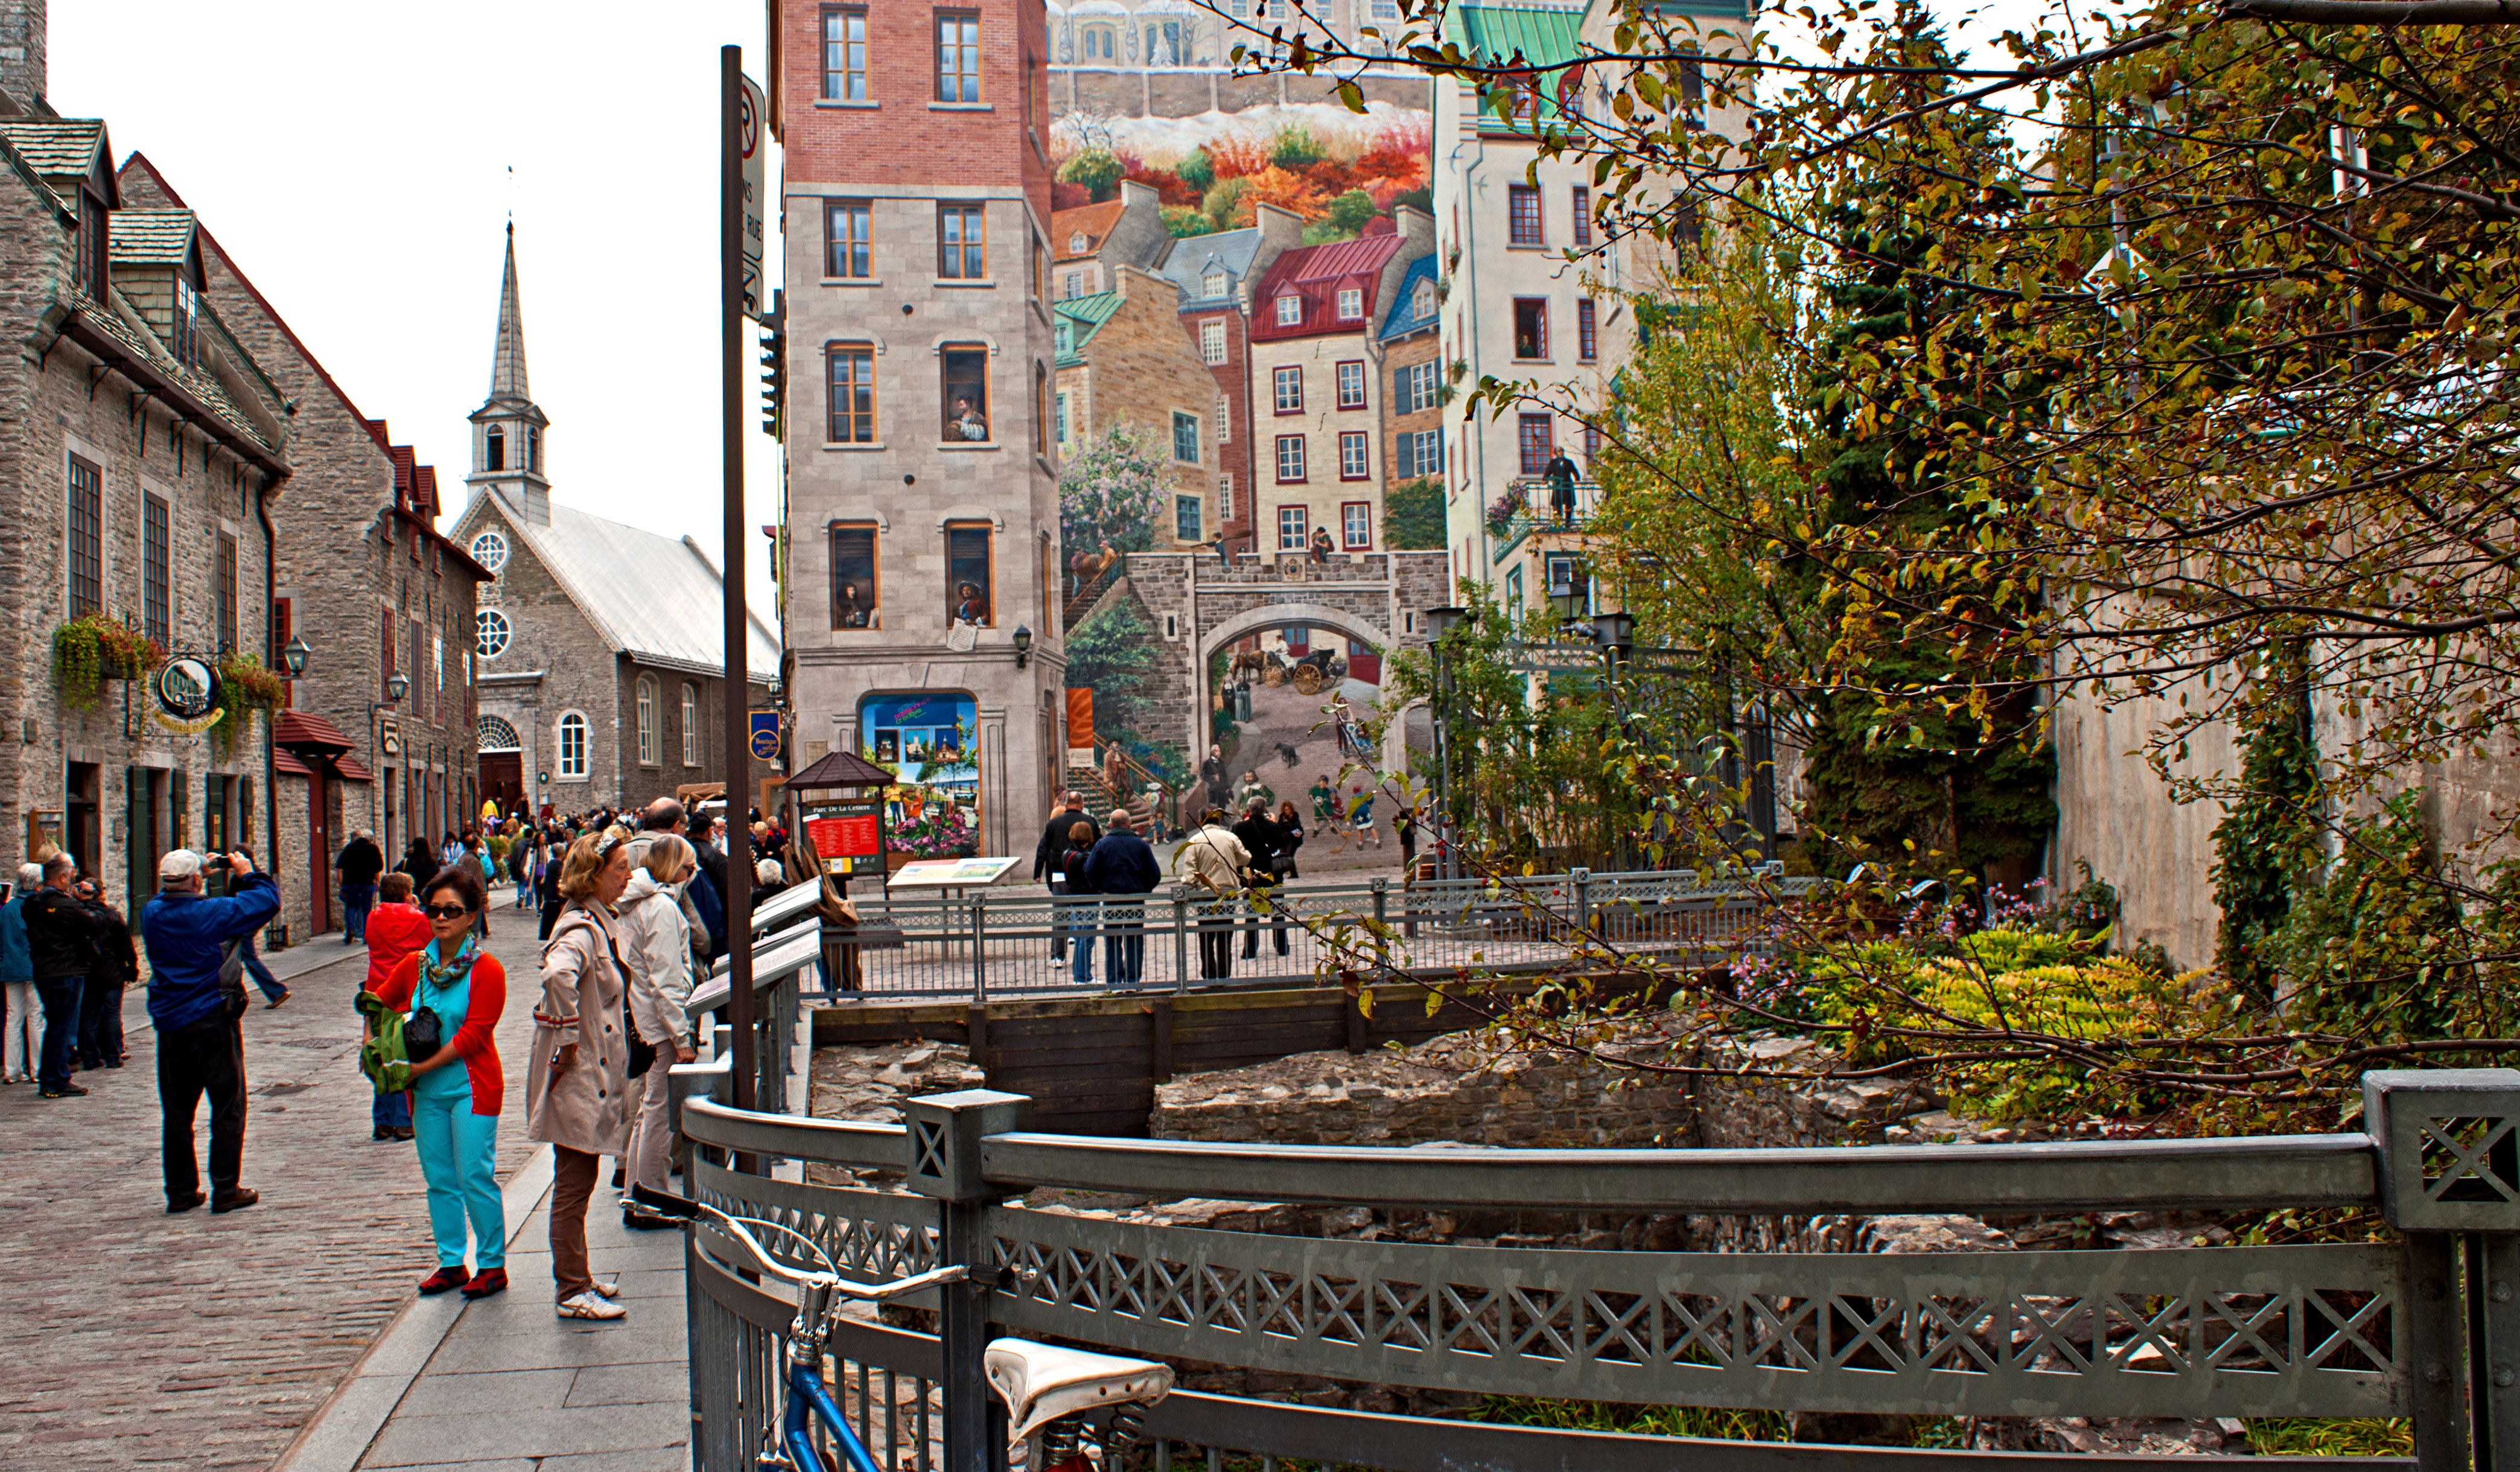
(578, 1084)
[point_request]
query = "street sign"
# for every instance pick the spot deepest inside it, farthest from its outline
(751, 139)
(764, 738)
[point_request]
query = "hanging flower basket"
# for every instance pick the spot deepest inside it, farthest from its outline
(245, 685)
(1507, 507)
(93, 648)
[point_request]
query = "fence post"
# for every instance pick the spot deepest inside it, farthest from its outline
(2449, 1143)
(1382, 922)
(980, 947)
(1181, 917)
(945, 1133)
(1583, 883)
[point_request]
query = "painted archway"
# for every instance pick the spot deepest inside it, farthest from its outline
(1260, 618)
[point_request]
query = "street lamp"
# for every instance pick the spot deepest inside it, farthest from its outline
(293, 655)
(1023, 645)
(1440, 622)
(398, 685)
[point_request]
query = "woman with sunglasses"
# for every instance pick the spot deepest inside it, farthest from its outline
(456, 1091)
(577, 1083)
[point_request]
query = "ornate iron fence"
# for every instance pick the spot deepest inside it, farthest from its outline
(2422, 1326)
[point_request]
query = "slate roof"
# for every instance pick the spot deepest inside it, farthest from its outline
(1400, 321)
(1078, 319)
(1095, 220)
(57, 147)
(653, 597)
(1191, 257)
(149, 237)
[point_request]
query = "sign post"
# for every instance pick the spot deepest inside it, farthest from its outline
(741, 116)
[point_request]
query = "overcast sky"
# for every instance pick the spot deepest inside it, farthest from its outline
(353, 159)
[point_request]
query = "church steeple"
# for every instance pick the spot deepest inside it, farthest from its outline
(507, 429)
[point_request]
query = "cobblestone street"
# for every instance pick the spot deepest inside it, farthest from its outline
(136, 1339)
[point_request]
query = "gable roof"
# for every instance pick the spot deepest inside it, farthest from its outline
(63, 150)
(1094, 220)
(1191, 257)
(1317, 273)
(652, 598)
(1403, 319)
(1079, 319)
(151, 238)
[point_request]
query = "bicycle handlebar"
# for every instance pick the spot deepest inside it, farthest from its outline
(690, 1211)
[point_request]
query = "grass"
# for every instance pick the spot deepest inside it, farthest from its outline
(2369, 1436)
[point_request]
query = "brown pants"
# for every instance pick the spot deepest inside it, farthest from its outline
(573, 1177)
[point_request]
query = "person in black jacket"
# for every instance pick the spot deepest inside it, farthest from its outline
(117, 965)
(61, 940)
(360, 862)
(1077, 917)
(1045, 856)
(1267, 843)
(419, 861)
(1121, 863)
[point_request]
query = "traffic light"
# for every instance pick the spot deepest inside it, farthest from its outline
(773, 368)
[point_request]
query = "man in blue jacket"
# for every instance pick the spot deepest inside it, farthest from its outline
(1121, 863)
(200, 1047)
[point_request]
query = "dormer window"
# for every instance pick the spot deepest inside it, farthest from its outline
(1291, 310)
(1213, 284)
(1351, 303)
(494, 449)
(1421, 302)
(92, 224)
(187, 323)
(1076, 243)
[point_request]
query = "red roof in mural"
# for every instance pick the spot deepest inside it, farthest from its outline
(1317, 273)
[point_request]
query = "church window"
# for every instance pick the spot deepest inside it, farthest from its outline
(852, 388)
(647, 721)
(844, 54)
(492, 733)
(491, 633)
(691, 725)
(533, 448)
(572, 747)
(490, 550)
(958, 57)
(494, 449)
(848, 239)
(962, 239)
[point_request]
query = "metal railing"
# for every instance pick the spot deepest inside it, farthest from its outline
(2422, 1324)
(1010, 942)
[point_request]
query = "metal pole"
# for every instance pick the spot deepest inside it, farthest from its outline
(1443, 768)
(737, 690)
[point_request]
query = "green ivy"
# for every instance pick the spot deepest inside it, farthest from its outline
(1412, 516)
(2266, 847)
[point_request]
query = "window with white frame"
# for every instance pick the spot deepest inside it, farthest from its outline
(1213, 286)
(1351, 303)
(1211, 341)
(691, 724)
(1224, 420)
(1354, 456)
(1293, 527)
(1350, 385)
(647, 721)
(1413, 387)
(1356, 525)
(1290, 458)
(1291, 310)
(1287, 386)
(572, 747)
(491, 633)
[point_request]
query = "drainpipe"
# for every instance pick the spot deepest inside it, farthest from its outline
(270, 595)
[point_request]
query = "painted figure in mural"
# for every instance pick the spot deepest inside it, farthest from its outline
(853, 611)
(968, 608)
(967, 423)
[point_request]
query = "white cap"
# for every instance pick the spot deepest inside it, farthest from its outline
(179, 864)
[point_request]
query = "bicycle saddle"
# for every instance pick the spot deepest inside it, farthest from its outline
(1042, 1382)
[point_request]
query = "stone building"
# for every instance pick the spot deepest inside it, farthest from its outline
(1088, 242)
(921, 483)
(367, 580)
(1317, 388)
(1174, 59)
(1123, 360)
(600, 647)
(1214, 273)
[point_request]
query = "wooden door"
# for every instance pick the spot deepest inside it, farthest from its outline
(502, 779)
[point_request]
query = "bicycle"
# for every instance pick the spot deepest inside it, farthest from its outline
(1041, 1384)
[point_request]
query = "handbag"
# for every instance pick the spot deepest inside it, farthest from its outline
(232, 977)
(423, 1033)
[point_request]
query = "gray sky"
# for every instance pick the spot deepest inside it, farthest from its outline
(353, 159)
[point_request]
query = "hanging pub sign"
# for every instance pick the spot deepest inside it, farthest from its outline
(187, 692)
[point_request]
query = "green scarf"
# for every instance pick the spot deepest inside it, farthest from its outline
(437, 977)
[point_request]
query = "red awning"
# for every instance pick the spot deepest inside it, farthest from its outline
(309, 734)
(351, 770)
(287, 761)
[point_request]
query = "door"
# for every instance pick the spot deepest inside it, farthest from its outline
(319, 860)
(502, 779)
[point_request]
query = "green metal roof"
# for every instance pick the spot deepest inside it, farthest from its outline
(1496, 33)
(1077, 320)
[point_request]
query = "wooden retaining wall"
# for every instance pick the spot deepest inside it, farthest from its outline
(1091, 1063)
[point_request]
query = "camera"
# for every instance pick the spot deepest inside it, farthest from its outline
(217, 864)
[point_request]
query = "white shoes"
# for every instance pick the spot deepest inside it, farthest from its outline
(591, 1306)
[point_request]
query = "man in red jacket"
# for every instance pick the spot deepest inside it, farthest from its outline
(395, 929)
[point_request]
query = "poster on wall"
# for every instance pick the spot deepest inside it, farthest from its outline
(930, 743)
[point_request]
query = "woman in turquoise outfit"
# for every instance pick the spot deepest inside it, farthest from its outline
(456, 1090)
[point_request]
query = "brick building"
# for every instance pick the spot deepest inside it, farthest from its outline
(1123, 360)
(1317, 388)
(1214, 273)
(1088, 242)
(366, 579)
(922, 484)
(600, 647)
(1412, 377)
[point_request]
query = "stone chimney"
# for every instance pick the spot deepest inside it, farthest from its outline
(22, 55)
(1137, 194)
(1417, 228)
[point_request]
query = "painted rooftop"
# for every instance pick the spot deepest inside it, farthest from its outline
(1077, 318)
(1092, 221)
(1191, 259)
(1403, 318)
(1317, 273)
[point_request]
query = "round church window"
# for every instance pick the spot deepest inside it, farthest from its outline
(490, 550)
(490, 632)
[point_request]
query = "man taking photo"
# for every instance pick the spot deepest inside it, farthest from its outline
(195, 995)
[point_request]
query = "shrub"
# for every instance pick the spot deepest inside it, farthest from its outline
(1197, 170)
(1095, 170)
(1294, 147)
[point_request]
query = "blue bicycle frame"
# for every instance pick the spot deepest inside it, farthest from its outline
(806, 1401)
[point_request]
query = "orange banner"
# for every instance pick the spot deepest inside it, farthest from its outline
(1080, 719)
